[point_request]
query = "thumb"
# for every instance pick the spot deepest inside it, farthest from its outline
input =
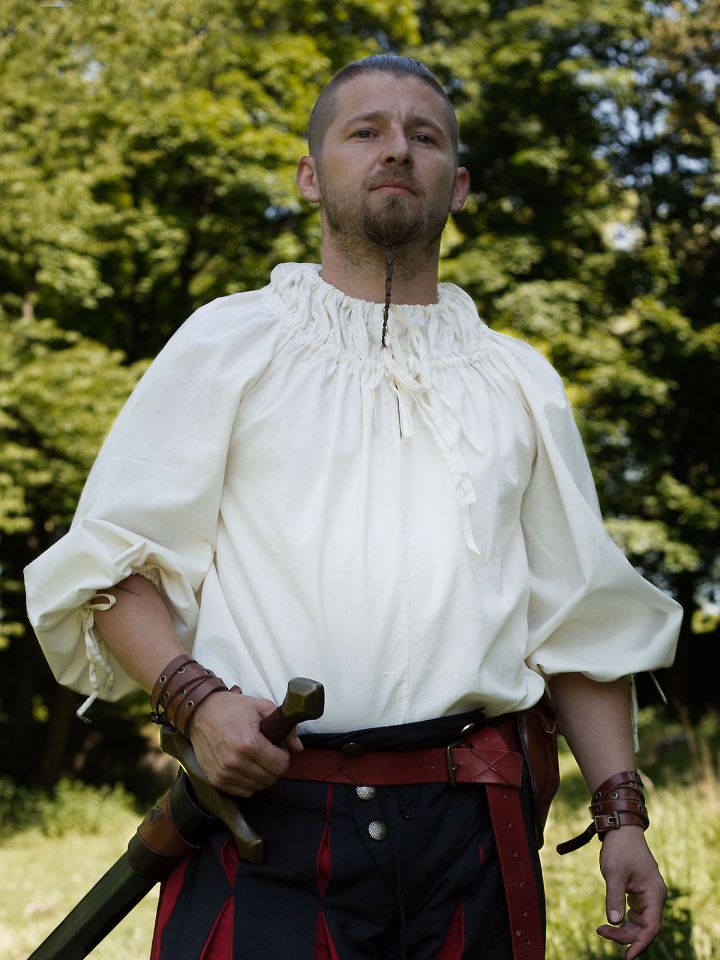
(293, 742)
(615, 904)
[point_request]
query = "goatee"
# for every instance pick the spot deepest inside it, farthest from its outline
(382, 220)
(396, 223)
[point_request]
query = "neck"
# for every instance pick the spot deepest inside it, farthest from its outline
(358, 269)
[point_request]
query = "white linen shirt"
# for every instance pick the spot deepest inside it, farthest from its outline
(415, 527)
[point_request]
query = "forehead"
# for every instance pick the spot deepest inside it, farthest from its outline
(396, 96)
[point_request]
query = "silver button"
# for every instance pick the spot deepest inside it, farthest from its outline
(377, 830)
(365, 793)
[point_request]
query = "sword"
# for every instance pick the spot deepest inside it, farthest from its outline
(171, 830)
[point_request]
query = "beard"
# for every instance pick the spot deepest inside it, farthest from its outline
(385, 220)
(395, 222)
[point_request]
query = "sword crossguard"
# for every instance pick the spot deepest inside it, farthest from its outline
(304, 700)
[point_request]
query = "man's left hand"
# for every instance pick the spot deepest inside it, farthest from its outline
(630, 871)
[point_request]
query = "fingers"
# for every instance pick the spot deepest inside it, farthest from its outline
(630, 869)
(293, 742)
(635, 936)
(230, 748)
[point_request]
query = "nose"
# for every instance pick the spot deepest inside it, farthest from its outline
(396, 148)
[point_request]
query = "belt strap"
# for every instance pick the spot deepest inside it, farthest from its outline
(489, 756)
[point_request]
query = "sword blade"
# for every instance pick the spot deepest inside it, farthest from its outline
(100, 910)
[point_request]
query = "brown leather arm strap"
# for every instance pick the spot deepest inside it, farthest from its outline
(618, 802)
(165, 678)
(180, 689)
(192, 700)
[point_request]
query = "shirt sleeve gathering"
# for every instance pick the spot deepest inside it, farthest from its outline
(151, 502)
(589, 610)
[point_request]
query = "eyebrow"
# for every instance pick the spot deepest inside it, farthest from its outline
(381, 115)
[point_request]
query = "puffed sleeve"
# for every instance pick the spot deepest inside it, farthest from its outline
(589, 610)
(151, 501)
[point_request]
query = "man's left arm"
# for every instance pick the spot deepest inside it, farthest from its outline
(595, 720)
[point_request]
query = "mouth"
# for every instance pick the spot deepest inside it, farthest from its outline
(396, 187)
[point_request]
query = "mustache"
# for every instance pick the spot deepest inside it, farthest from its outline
(383, 180)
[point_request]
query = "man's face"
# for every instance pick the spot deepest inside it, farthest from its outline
(387, 172)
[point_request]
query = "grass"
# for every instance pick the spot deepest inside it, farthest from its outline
(43, 876)
(51, 852)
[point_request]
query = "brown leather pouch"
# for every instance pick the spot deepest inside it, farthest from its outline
(537, 732)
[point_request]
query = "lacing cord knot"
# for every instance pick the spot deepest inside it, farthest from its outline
(95, 650)
(411, 382)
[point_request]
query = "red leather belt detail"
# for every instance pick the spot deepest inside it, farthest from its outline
(463, 763)
(490, 756)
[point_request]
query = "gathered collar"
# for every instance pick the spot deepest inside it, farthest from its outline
(353, 327)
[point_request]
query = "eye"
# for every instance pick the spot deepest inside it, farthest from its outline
(424, 138)
(364, 134)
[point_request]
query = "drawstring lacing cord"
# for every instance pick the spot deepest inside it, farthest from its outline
(95, 650)
(409, 376)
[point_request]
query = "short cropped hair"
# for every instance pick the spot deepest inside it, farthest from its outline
(388, 63)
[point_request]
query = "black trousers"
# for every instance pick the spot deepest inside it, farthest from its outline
(370, 873)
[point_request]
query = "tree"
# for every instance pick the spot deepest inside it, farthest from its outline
(147, 166)
(59, 393)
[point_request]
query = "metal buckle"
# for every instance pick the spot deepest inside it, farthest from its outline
(451, 766)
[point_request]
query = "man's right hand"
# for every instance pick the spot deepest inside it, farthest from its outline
(237, 758)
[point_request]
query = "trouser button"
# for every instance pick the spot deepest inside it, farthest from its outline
(377, 830)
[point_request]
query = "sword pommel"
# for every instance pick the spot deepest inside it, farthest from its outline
(304, 700)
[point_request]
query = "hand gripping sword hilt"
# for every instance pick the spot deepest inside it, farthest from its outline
(304, 700)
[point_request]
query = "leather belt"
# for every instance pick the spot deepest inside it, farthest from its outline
(490, 756)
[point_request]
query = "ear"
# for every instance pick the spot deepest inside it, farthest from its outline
(460, 192)
(307, 179)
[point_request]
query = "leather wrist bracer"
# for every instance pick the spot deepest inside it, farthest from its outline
(180, 689)
(618, 802)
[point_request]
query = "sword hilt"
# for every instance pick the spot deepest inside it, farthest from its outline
(304, 700)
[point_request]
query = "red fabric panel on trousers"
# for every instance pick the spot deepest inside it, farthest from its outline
(229, 859)
(169, 893)
(324, 946)
(219, 944)
(454, 943)
(323, 862)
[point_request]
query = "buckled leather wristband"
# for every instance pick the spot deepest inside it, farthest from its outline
(618, 802)
(180, 689)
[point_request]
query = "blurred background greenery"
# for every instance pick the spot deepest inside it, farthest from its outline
(147, 157)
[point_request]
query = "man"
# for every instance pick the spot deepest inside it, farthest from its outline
(346, 475)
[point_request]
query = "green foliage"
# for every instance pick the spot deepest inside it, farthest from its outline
(147, 157)
(71, 807)
(59, 395)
